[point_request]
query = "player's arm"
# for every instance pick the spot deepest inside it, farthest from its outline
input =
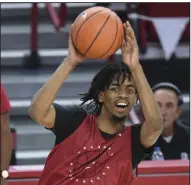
(152, 127)
(41, 108)
(6, 141)
(6, 137)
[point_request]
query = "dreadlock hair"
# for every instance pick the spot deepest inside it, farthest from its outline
(101, 82)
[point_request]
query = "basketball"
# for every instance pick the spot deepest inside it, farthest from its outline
(97, 32)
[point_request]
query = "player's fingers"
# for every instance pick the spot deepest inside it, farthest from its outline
(125, 30)
(70, 35)
(130, 29)
(129, 40)
(123, 43)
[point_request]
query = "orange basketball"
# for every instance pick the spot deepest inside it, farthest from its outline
(97, 32)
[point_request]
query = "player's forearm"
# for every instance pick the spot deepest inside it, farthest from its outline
(6, 142)
(148, 103)
(6, 149)
(45, 96)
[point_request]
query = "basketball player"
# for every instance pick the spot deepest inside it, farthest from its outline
(96, 148)
(6, 137)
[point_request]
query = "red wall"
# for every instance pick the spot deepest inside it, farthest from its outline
(174, 172)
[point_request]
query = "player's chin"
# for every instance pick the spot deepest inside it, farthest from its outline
(121, 114)
(119, 118)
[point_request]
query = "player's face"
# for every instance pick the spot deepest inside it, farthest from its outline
(119, 98)
(168, 103)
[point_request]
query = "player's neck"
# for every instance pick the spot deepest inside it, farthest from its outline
(108, 126)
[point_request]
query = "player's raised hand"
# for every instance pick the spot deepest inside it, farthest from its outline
(74, 56)
(130, 51)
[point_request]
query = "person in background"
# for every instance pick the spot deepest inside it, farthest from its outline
(6, 137)
(174, 141)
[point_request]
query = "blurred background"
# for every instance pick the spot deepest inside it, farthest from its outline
(34, 41)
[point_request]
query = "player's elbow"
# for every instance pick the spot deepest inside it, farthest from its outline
(157, 123)
(34, 113)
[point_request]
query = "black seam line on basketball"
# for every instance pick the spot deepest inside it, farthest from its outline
(85, 22)
(98, 33)
(76, 21)
(113, 41)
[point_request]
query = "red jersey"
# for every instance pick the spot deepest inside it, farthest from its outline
(85, 157)
(5, 104)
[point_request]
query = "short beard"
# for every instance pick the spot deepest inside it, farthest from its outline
(117, 119)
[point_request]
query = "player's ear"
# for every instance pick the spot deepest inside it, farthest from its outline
(101, 97)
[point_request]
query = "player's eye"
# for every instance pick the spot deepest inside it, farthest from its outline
(115, 88)
(130, 91)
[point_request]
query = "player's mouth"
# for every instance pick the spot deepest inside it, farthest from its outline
(121, 106)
